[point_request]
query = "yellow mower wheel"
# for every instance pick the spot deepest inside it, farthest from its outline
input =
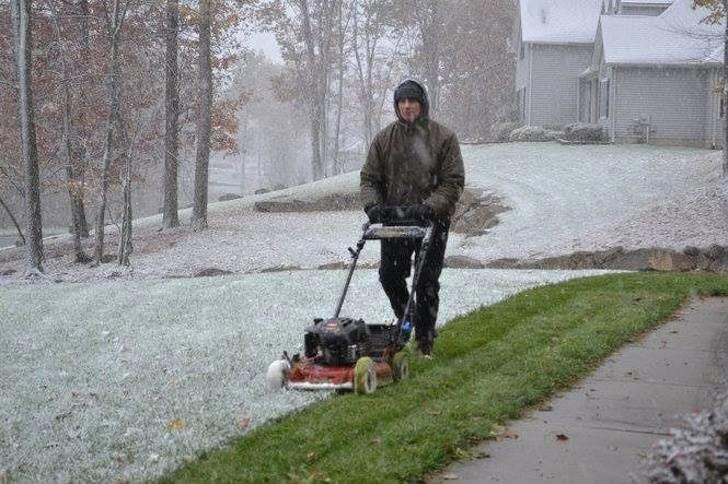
(400, 366)
(365, 376)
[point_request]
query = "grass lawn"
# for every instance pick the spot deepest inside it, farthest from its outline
(489, 366)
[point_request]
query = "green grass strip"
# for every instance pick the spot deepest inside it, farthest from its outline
(489, 366)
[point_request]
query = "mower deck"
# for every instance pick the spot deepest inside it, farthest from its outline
(308, 375)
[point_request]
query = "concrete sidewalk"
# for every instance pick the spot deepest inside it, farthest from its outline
(600, 431)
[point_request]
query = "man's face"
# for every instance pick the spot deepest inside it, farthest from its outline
(409, 109)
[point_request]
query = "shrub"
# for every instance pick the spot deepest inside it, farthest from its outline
(501, 130)
(697, 452)
(534, 133)
(584, 132)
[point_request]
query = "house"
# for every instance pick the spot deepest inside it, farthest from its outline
(554, 40)
(653, 79)
(652, 73)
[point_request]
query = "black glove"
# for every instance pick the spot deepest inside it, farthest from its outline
(419, 212)
(375, 214)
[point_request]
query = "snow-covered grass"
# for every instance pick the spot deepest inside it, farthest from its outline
(562, 199)
(125, 380)
(568, 198)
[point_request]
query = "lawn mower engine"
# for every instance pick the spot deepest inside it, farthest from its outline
(336, 342)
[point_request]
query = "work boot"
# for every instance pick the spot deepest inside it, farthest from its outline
(424, 346)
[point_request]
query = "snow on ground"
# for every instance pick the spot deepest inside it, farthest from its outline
(568, 198)
(124, 379)
(562, 199)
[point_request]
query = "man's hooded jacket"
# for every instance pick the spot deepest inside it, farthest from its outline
(414, 163)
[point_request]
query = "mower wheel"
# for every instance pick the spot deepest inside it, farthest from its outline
(400, 366)
(365, 376)
(277, 374)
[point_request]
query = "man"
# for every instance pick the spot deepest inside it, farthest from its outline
(415, 164)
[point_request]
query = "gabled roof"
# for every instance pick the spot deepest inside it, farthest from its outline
(559, 21)
(675, 37)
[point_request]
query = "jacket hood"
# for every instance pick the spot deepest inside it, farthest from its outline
(413, 90)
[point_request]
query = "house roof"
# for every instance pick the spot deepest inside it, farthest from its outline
(559, 21)
(675, 37)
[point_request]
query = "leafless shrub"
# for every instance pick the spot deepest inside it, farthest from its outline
(696, 452)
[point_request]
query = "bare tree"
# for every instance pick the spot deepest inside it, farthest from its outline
(718, 10)
(125, 244)
(315, 78)
(304, 29)
(115, 22)
(478, 73)
(373, 64)
(22, 28)
(429, 18)
(170, 217)
(342, 26)
(204, 122)
(70, 150)
(77, 203)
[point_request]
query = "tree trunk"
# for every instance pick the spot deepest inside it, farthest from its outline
(314, 94)
(125, 237)
(429, 21)
(340, 95)
(12, 218)
(725, 90)
(204, 79)
(75, 190)
(170, 217)
(22, 26)
(77, 203)
(112, 122)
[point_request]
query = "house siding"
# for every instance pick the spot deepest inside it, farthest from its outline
(522, 76)
(554, 78)
(673, 99)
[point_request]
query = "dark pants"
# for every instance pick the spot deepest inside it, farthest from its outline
(396, 264)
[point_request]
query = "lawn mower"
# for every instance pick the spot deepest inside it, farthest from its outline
(347, 354)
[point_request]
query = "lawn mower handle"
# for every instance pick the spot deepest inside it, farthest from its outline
(379, 232)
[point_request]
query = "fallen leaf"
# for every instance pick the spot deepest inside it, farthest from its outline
(376, 441)
(176, 424)
(311, 455)
(495, 431)
(434, 412)
(450, 477)
(244, 423)
(509, 435)
(562, 437)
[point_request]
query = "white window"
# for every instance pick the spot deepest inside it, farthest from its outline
(522, 103)
(604, 98)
